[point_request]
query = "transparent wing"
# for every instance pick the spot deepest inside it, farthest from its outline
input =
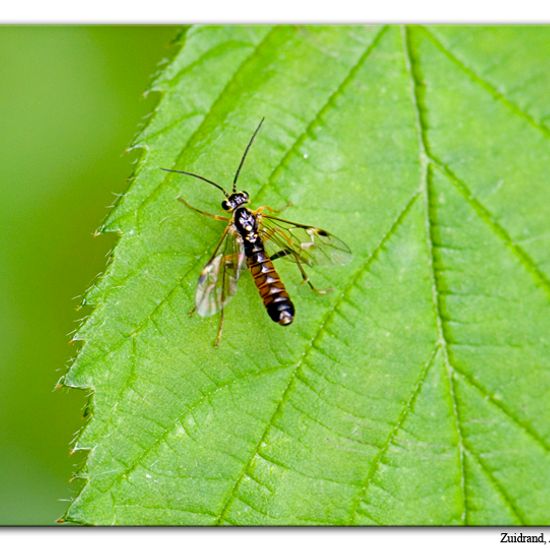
(302, 243)
(218, 280)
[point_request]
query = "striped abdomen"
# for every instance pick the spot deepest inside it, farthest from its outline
(271, 288)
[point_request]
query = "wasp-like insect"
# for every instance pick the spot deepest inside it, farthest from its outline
(258, 239)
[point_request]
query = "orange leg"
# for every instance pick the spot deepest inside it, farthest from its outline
(272, 210)
(213, 216)
(305, 279)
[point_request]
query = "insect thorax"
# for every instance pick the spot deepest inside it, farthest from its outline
(247, 225)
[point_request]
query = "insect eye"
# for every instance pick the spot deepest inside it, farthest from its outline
(225, 205)
(245, 194)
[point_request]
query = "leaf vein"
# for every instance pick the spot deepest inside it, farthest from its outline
(136, 462)
(487, 86)
(497, 228)
(502, 407)
(499, 488)
(329, 103)
(407, 408)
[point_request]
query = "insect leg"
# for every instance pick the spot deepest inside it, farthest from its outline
(287, 252)
(281, 254)
(260, 209)
(219, 244)
(220, 325)
(213, 216)
(305, 279)
(220, 329)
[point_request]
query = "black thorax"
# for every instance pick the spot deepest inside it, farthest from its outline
(247, 226)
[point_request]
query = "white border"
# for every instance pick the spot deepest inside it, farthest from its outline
(274, 11)
(260, 538)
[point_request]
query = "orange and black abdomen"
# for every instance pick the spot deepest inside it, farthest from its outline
(267, 280)
(269, 284)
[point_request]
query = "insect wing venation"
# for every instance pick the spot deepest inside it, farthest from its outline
(303, 243)
(218, 280)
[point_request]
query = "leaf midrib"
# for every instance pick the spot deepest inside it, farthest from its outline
(436, 297)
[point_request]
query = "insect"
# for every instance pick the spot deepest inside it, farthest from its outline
(256, 239)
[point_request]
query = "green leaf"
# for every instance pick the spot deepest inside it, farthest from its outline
(417, 391)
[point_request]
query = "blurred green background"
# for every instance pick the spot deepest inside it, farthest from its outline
(71, 100)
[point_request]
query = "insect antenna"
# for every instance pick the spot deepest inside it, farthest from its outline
(244, 155)
(198, 177)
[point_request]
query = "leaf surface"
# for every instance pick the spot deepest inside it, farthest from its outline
(417, 391)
